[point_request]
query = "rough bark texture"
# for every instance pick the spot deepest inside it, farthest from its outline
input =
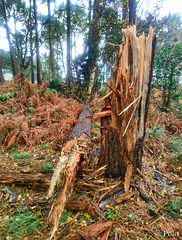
(122, 136)
(1, 71)
(74, 151)
(82, 126)
(34, 179)
(39, 81)
(132, 12)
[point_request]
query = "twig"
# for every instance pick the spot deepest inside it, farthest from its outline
(81, 235)
(131, 117)
(98, 210)
(112, 44)
(67, 227)
(161, 173)
(106, 96)
(129, 106)
(114, 91)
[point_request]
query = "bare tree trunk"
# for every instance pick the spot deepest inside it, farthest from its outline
(68, 43)
(94, 40)
(37, 44)
(31, 42)
(1, 71)
(124, 13)
(14, 71)
(51, 52)
(123, 132)
(132, 12)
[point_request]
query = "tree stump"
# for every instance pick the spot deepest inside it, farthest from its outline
(122, 132)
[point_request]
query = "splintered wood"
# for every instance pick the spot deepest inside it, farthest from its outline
(64, 176)
(122, 133)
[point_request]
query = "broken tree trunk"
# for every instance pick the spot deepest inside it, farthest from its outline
(123, 132)
(76, 150)
(71, 154)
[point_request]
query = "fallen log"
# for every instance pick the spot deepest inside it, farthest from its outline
(34, 179)
(74, 150)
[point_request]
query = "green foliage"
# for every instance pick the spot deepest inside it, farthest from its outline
(65, 216)
(111, 214)
(21, 155)
(13, 149)
(132, 216)
(156, 131)
(19, 224)
(176, 145)
(54, 84)
(168, 68)
(5, 96)
(173, 207)
(47, 167)
(152, 207)
(49, 90)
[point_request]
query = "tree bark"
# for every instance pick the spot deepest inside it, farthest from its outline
(51, 52)
(14, 71)
(124, 13)
(31, 42)
(132, 12)
(1, 71)
(39, 81)
(69, 74)
(123, 132)
(93, 43)
(64, 175)
(42, 180)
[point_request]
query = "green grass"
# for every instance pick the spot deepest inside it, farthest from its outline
(19, 224)
(64, 217)
(47, 167)
(21, 155)
(173, 207)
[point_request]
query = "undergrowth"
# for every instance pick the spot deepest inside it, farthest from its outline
(176, 145)
(156, 131)
(19, 224)
(173, 207)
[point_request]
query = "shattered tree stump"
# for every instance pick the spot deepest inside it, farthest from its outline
(122, 132)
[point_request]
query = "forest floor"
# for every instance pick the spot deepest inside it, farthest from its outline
(34, 125)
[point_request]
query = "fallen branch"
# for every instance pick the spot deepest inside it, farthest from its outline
(99, 115)
(63, 232)
(34, 179)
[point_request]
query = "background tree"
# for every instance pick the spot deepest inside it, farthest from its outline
(51, 52)
(37, 44)
(1, 71)
(3, 5)
(168, 68)
(132, 12)
(69, 74)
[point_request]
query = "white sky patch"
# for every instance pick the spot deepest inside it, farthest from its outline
(171, 6)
